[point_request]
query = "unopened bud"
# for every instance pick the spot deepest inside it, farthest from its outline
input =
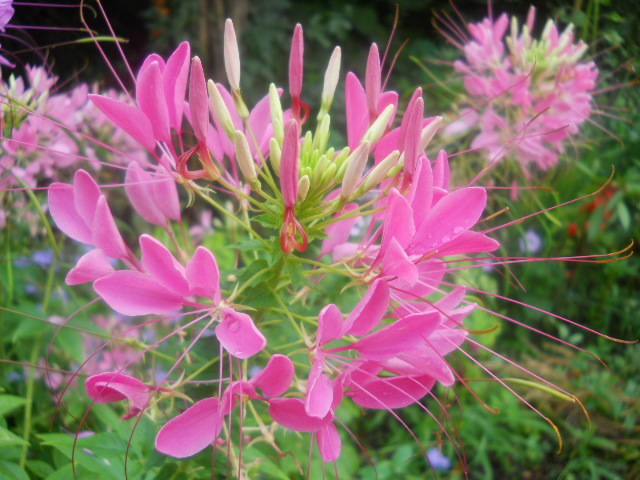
(379, 172)
(245, 159)
(321, 138)
(231, 55)
(220, 109)
(355, 167)
(378, 128)
(307, 145)
(277, 117)
(303, 187)
(341, 157)
(275, 154)
(429, 131)
(331, 77)
(329, 174)
(319, 169)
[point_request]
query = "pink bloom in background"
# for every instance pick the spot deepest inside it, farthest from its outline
(528, 95)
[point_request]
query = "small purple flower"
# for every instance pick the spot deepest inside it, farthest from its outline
(437, 460)
(530, 242)
(42, 258)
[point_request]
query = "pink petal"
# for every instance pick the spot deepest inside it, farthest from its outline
(238, 334)
(330, 324)
(234, 391)
(339, 232)
(85, 195)
(192, 431)
(158, 261)
(441, 171)
(290, 413)
(398, 221)
(396, 263)
(165, 194)
(129, 118)
(450, 217)
(402, 336)
(138, 189)
(329, 443)
(136, 293)
(105, 232)
(469, 242)
(369, 310)
(421, 194)
(90, 267)
(276, 378)
(260, 123)
(113, 387)
(356, 107)
(152, 101)
(394, 392)
(174, 79)
(319, 395)
(413, 136)
(63, 211)
(203, 275)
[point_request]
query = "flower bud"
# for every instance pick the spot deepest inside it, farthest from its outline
(319, 169)
(231, 55)
(220, 109)
(429, 131)
(296, 62)
(277, 117)
(373, 81)
(275, 155)
(379, 173)
(321, 138)
(198, 101)
(245, 159)
(355, 167)
(331, 77)
(379, 127)
(341, 157)
(290, 164)
(303, 187)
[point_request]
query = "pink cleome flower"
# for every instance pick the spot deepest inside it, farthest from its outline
(528, 95)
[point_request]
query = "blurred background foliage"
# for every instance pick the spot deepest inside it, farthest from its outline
(501, 437)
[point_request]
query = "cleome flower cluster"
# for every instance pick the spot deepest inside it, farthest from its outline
(528, 95)
(377, 219)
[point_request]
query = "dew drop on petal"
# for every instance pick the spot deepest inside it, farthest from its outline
(458, 230)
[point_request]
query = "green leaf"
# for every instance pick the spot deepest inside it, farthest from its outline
(9, 403)
(39, 468)
(249, 244)
(11, 471)
(267, 221)
(70, 342)
(253, 269)
(64, 473)
(294, 270)
(9, 439)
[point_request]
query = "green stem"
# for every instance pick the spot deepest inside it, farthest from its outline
(287, 313)
(43, 217)
(226, 212)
